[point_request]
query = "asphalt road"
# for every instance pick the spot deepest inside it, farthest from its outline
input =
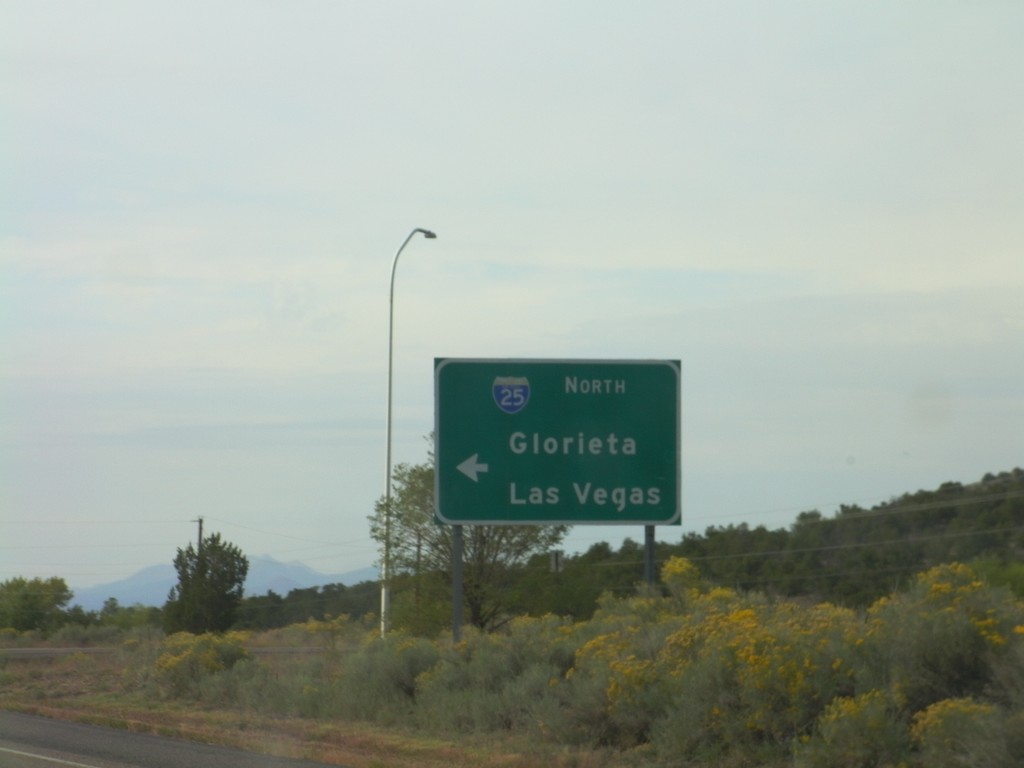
(27, 741)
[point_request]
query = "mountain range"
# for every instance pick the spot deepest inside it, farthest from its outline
(151, 585)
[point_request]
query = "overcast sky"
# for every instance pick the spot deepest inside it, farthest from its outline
(815, 206)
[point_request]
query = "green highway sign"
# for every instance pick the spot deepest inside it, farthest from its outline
(546, 442)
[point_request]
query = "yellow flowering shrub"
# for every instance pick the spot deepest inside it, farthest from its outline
(754, 673)
(731, 672)
(681, 577)
(613, 683)
(629, 673)
(185, 659)
(328, 632)
(946, 637)
(929, 677)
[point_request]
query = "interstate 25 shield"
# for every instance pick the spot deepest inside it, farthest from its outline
(511, 393)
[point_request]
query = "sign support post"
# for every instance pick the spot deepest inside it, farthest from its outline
(649, 567)
(457, 593)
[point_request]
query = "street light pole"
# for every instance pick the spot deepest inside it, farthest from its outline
(385, 572)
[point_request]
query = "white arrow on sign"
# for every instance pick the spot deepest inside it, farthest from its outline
(471, 467)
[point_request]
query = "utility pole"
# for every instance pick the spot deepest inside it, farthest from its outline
(199, 547)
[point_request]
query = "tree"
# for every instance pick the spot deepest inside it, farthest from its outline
(421, 549)
(113, 614)
(209, 589)
(27, 604)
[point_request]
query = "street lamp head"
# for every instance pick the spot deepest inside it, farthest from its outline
(427, 234)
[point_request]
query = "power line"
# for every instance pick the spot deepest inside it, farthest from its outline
(278, 534)
(860, 544)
